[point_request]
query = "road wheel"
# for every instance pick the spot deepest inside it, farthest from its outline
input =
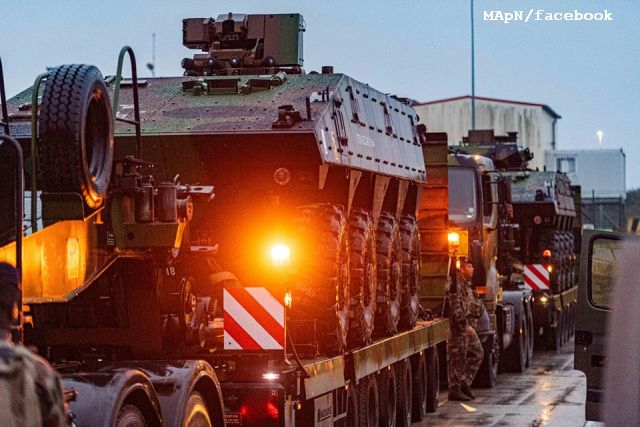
(389, 264)
(419, 404)
(321, 288)
(362, 269)
(433, 378)
(368, 401)
(196, 413)
(130, 416)
(410, 307)
(517, 353)
(405, 399)
(75, 148)
(388, 397)
(488, 371)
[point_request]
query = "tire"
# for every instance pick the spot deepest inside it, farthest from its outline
(488, 371)
(196, 413)
(352, 408)
(368, 401)
(410, 307)
(388, 398)
(321, 290)
(130, 416)
(531, 334)
(419, 404)
(362, 269)
(75, 148)
(433, 379)
(405, 400)
(517, 353)
(389, 265)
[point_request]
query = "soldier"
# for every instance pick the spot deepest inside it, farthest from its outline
(464, 348)
(30, 390)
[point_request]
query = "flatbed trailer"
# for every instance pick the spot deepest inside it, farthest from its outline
(320, 391)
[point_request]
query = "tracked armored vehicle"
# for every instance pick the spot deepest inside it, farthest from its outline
(318, 184)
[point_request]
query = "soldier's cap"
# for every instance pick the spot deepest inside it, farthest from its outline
(8, 286)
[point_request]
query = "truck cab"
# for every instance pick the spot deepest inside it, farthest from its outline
(480, 215)
(607, 344)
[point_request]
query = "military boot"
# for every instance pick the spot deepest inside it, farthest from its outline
(457, 395)
(467, 390)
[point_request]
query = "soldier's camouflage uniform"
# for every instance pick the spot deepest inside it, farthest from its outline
(464, 352)
(33, 389)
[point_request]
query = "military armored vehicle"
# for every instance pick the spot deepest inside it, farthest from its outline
(319, 203)
(544, 221)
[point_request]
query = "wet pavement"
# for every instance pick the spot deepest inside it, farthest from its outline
(549, 393)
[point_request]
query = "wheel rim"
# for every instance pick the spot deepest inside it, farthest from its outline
(96, 135)
(131, 416)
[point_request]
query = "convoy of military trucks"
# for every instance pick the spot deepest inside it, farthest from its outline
(250, 244)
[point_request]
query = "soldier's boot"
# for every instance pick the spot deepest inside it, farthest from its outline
(467, 390)
(458, 395)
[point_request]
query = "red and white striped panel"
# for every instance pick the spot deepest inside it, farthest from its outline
(536, 277)
(253, 320)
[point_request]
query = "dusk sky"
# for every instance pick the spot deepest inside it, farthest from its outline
(588, 72)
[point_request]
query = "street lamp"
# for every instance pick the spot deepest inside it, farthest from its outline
(599, 135)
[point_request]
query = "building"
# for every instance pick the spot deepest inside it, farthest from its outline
(601, 176)
(535, 123)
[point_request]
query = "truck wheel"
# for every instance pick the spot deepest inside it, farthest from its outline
(389, 263)
(405, 400)
(388, 397)
(488, 372)
(517, 352)
(419, 404)
(75, 148)
(321, 291)
(196, 413)
(368, 401)
(433, 378)
(352, 409)
(410, 308)
(362, 269)
(530, 335)
(130, 416)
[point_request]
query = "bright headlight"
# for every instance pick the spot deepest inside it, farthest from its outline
(280, 254)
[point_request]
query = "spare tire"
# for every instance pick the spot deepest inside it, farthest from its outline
(75, 148)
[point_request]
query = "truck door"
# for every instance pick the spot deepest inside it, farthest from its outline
(599, 263)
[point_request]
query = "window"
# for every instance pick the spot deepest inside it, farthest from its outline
(605, 254)
(566, 164)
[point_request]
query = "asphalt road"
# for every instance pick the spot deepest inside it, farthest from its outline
(549, 393)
